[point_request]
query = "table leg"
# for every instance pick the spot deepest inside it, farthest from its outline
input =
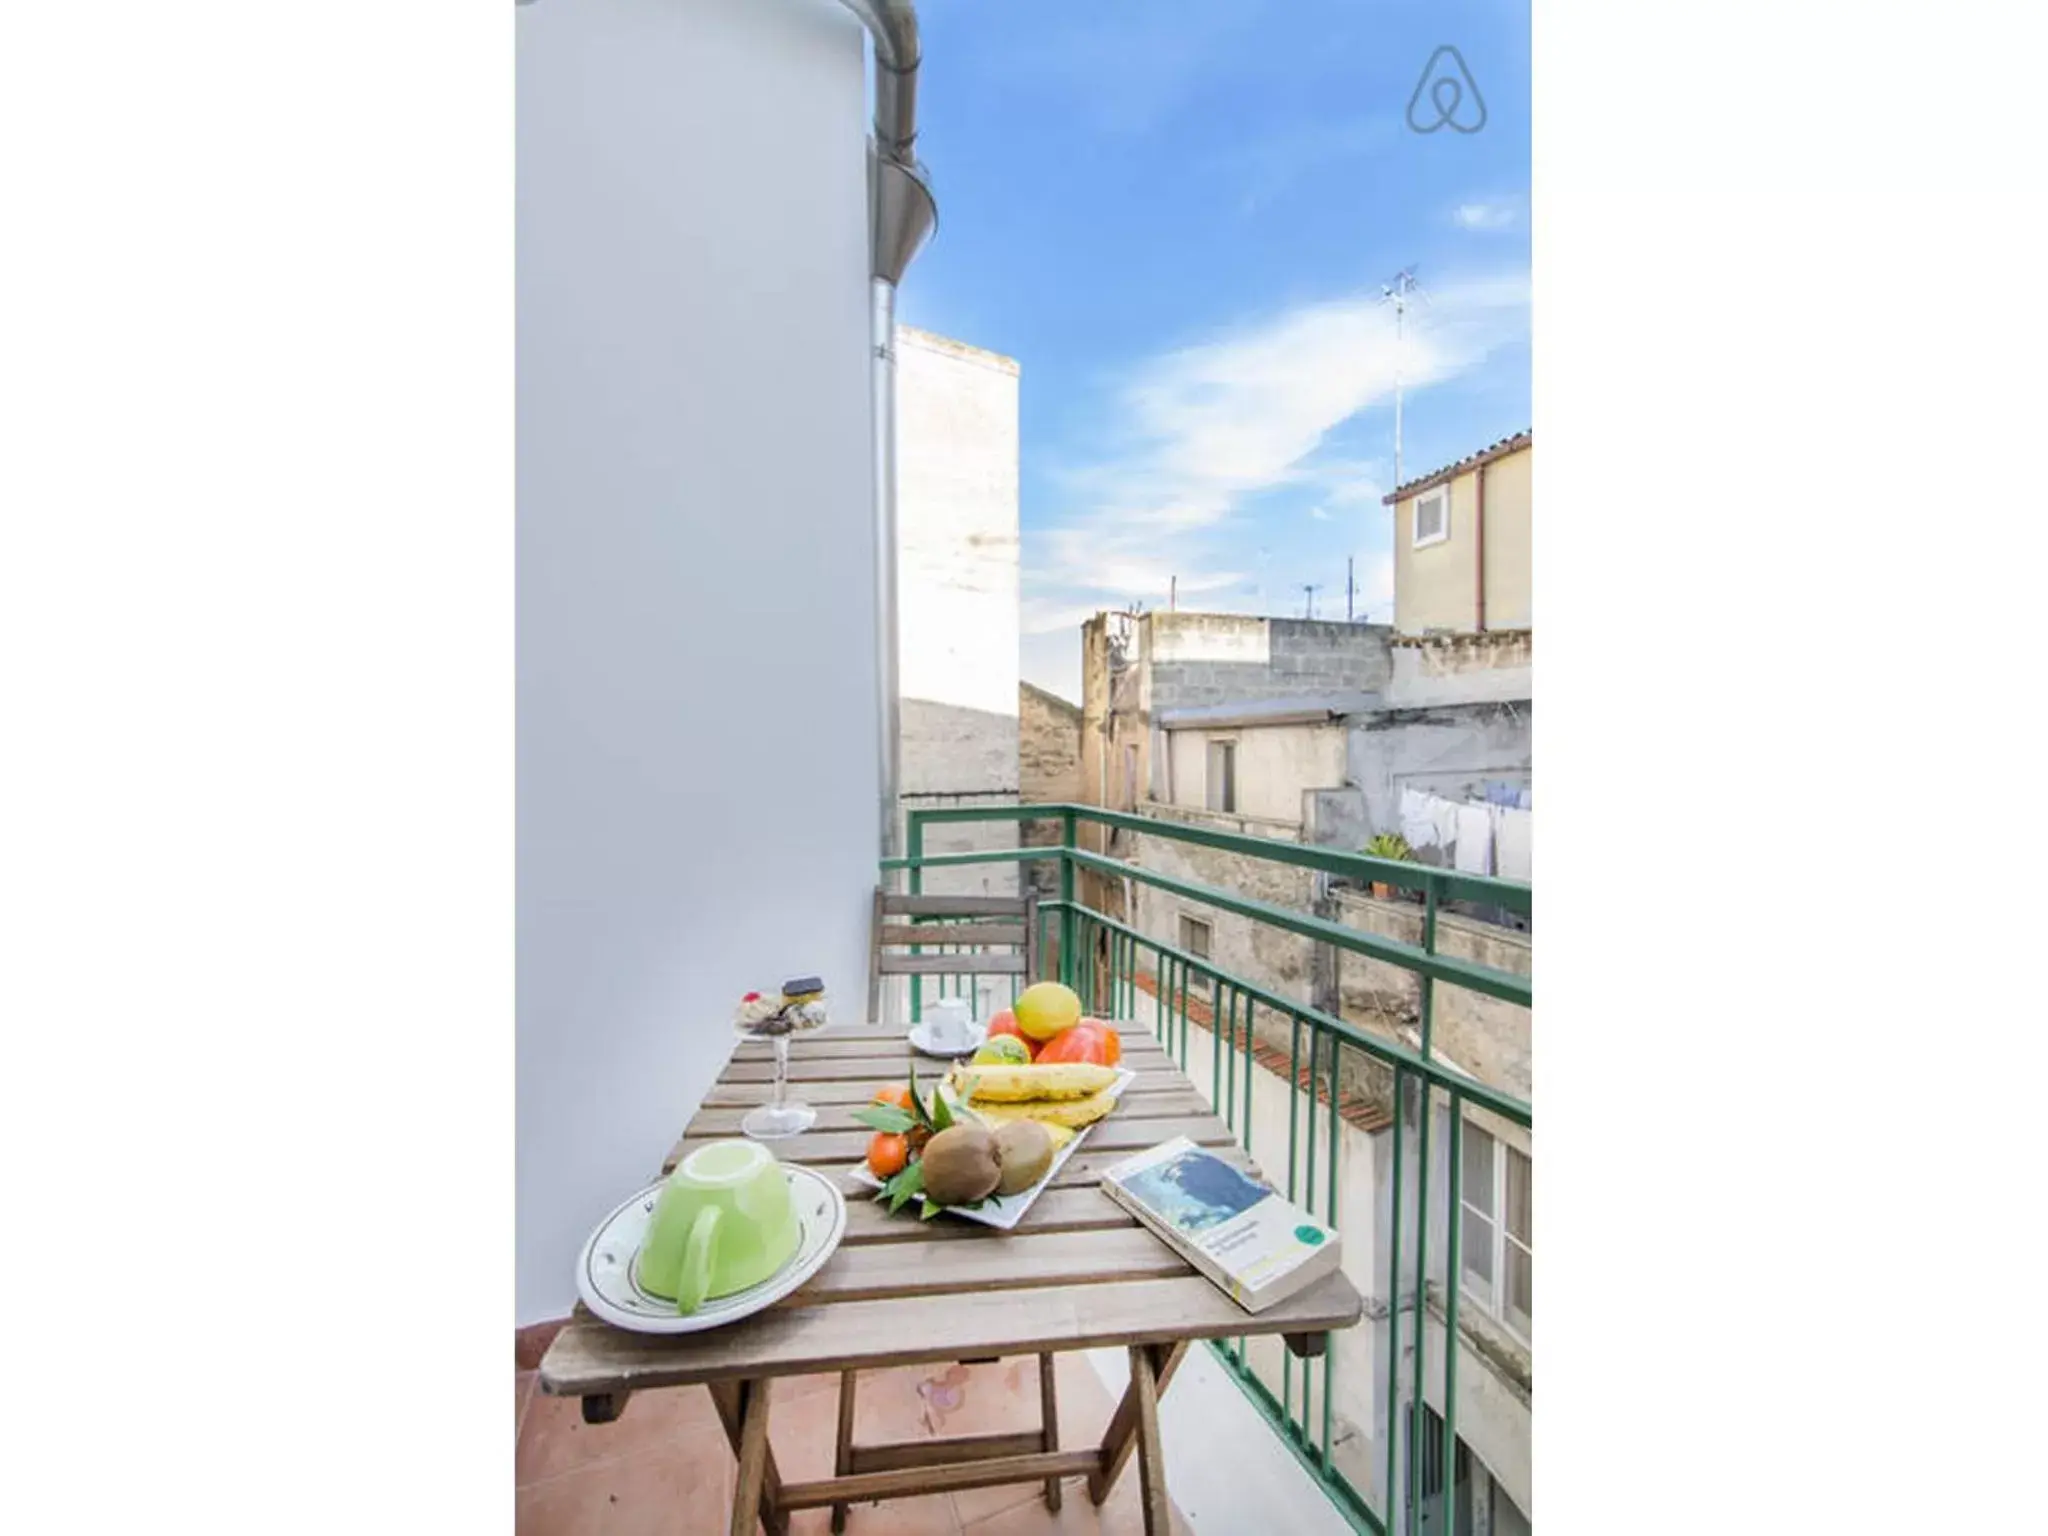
(1049, 1424)
(753, 1453)
(842, 1465)
(1151, 1457)
(1121, 1438)
(730, 1399)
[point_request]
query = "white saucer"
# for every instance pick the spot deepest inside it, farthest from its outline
(607, 1274)
(922, 1042)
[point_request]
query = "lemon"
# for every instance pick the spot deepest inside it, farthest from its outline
(1001, 1051)
(1045, 1009)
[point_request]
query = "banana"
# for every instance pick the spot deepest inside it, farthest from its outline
(996, 1115)
(1056, 1115)
(1017, 1085)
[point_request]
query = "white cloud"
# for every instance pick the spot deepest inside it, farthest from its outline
(1320, 514)
(1486, 215)
(1200, 428)
(1195, 433)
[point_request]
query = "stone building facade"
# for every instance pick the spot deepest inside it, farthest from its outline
(1048, 769)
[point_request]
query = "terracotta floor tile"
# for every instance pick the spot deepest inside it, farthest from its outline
(683, 1488)
(1085, 1406)
(971, 1504)
(564, 1506)
(933, 1402)
(928, 1516)
(553, 1439)
(803, 1432)
(1121, 1514)
(1077, 1517)
(522, 1390)
(789, 1388)
(680, 1490)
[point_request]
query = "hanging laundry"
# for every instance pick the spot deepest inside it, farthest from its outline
(1511, 828)
(1445, 814)
(1475, 839)
(1417, 824)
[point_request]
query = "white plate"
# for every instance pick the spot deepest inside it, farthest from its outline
(607, 1274)
(921, 1041)
(1006, 1210)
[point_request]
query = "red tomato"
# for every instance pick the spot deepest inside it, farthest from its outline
(1005, 1023)
(1084, 1042)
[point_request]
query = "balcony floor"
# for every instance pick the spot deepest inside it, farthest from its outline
(666, 1467)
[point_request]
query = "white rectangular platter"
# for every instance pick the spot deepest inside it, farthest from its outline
(1006, 1210)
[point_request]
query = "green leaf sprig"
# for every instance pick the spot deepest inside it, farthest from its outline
(934, 1115)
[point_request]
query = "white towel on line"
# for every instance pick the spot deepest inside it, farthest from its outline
(1511, 840)
(1475, 839)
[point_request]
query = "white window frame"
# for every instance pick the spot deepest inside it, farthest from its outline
(1492, 1297)
(1188, 923)
(1443, 533)
(1221, 799)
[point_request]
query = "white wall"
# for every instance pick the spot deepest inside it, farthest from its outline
(956, 527)
(1275, 764)
(696, 690)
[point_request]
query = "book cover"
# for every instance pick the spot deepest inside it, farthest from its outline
(1258, 1247)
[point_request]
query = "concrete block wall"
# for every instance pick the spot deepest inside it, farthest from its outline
(1208, 658)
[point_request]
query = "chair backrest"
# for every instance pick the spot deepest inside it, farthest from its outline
(981, 935)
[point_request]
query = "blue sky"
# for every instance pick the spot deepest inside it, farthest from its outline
(1177, 216)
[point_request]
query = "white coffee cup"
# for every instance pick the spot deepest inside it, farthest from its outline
(949, 1023)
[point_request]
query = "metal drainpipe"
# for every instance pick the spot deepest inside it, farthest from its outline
(901, 216)
(887, 683)
(1479, 528)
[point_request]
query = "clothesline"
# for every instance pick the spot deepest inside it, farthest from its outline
(1477, 837)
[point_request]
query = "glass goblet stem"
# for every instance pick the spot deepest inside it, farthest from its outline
(781, 1070)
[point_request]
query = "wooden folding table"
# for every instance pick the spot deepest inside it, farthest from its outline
(1077, 1273)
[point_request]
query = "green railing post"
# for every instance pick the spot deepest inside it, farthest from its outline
(1455, 1220)
(913, 847)
(1413, 1512)
(1069, 968)
(1394, 1306)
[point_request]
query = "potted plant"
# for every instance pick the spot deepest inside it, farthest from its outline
(1387, 845)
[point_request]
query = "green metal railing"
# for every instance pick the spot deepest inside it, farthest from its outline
(1199, 1009)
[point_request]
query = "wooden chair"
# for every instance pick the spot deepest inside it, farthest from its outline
(986, 936)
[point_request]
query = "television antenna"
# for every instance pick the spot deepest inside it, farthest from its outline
(1398, 292)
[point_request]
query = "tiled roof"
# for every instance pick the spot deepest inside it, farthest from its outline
(1499, 450)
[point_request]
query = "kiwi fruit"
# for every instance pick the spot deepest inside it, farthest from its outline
(960, 1166)
(1023, 1149)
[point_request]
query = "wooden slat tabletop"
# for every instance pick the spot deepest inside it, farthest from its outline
(1076, 1273)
